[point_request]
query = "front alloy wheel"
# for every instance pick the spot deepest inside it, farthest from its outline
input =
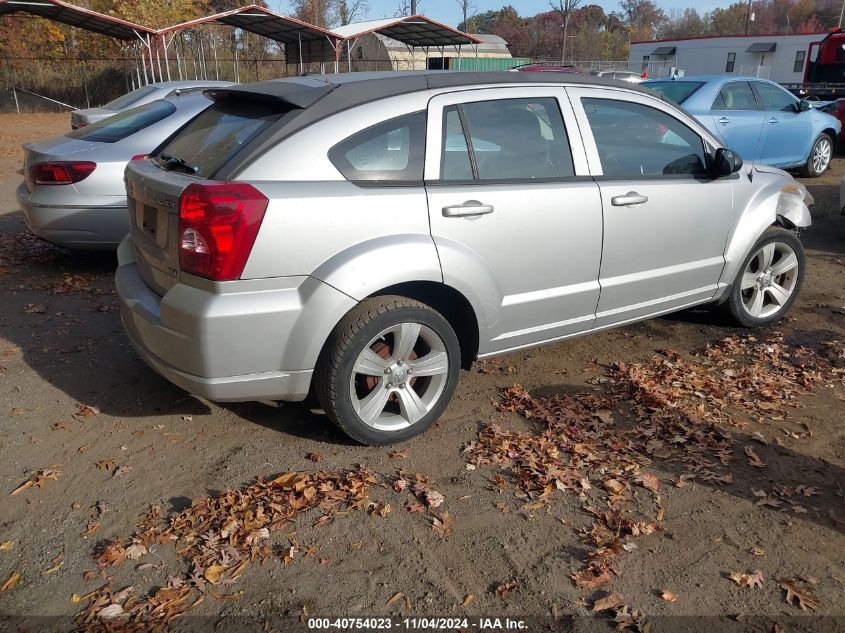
(820, 157)
(389, 370)
(770, 279)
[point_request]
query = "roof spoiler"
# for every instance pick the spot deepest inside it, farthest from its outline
(301, 92)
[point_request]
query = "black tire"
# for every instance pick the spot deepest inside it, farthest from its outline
(334, 373)
(809, 170)
(736, 305)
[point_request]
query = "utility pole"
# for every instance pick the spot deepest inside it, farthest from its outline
(414, 7)
(747, 17)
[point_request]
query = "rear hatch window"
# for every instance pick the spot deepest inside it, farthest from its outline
(130, 98)
(213, 138)
(118, 127)
(677, 91)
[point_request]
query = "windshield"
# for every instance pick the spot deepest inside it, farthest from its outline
(118, 127)
(210, 140)
(130, 98)
(677, 91)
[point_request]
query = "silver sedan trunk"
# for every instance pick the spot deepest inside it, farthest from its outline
(74, 194)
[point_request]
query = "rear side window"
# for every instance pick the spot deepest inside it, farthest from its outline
(677, 91)
(636, 141)
(390, 152)
(507, 139)
(211, 139)
(735, 95)
(119, 126)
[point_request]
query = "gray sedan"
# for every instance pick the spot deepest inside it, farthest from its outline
(140, 96)
(73, 194)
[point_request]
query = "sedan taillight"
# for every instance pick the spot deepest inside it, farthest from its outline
(60, 173)
(218, 224)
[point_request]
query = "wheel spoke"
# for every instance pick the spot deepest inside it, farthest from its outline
(755, 305)
(432, 364)
(749, 280)
(370, 364)
(786, 264)
(412, 407)
(778, 293)
(405, 337)
(370, 408)
(767, 255)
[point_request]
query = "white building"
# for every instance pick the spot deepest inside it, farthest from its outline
(781, 58)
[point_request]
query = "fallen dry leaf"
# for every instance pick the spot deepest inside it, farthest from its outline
(443, 526)
(5, 546)
(504, 589)
(610, 601)
(668, 596)
(754, 458)
(395, 598)
(12, 582)
(796, 592)
(754, 579)
(403, 454)
(468, 599)
(38, 480)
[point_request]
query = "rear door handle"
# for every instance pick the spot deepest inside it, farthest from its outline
(773, 120)
(724, 120)
(630, 199)
(468, 208)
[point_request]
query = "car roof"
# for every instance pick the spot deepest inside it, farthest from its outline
(362, 87)
(712, 78)
(189, 83)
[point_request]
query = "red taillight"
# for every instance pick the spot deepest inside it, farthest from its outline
(218, 224)
(61, 173)
(140, 156)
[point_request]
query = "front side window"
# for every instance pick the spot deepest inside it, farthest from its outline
(774, 98)
(798, 66)
(729, 66)
(735, 95)
(393, 152)
(118, 127)
(636, 141)
(507, 139)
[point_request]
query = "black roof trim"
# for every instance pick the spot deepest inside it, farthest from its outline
(301, 92)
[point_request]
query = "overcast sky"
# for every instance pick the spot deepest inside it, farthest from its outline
(447, 10)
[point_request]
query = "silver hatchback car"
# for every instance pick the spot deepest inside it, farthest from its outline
(365, 236)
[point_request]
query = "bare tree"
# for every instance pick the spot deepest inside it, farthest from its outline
(467, 7)
(349, 11)
(407, 7)
(564, 9)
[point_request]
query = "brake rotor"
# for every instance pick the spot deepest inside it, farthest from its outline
(383, 350)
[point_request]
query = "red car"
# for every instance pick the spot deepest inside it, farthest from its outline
(837, 109)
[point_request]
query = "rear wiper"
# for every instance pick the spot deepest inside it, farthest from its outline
(174, 161)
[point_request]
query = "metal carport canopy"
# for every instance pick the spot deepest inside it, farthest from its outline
(79, 17)
(418, 31)
(315, 44)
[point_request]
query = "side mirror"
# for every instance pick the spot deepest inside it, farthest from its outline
(726, 162)
(803, 106)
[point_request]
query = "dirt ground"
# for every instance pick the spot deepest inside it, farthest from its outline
(102, 438)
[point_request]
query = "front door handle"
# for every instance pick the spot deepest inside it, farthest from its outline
(468, 208)
(724, 120)
(630, 199)
(773, 120)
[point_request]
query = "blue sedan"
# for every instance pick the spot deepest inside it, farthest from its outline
(758, 119)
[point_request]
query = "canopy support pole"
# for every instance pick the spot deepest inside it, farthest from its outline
(299, 38)
(158, 60)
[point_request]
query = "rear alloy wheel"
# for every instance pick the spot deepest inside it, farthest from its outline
(770, 279)
(389, 370)
(820, 157)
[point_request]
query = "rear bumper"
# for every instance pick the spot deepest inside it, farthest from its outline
(89, 227)
(232, 346)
